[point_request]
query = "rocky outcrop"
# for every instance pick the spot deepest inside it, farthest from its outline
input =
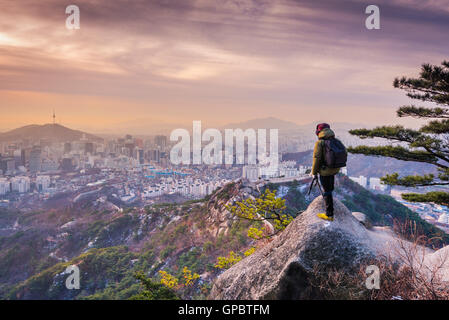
(219, 219)
(281, 269)
(360, 216)
(438, 263)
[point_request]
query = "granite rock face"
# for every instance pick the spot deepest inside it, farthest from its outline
(281, 269)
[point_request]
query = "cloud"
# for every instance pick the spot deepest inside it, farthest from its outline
(210, 52)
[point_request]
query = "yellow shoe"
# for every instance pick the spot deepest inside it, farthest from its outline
(325, 217)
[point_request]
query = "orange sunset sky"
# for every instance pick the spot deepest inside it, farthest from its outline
(220, 61)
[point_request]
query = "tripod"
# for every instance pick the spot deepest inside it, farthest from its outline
(315, 181)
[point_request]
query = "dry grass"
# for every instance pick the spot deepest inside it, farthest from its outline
(405, 273)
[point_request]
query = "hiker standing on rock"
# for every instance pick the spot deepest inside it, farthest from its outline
(329, 155)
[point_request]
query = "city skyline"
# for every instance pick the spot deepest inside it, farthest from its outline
(161, 63)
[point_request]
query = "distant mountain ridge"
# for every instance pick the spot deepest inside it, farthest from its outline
(264, 123)
(47, 131)
(275, 123)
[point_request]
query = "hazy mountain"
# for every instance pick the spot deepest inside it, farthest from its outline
(264, 123)
(142, 126)
(336, 126)
(46, 131)
(150, 126)
(275, 123)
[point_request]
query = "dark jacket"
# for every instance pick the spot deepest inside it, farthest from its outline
(318, 155)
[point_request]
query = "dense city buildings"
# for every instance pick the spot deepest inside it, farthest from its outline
(285, 169)
(127, 170)
(130, 170)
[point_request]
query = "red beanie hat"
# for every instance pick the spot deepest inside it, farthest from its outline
(320, 127)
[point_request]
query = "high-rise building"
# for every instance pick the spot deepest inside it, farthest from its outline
(7, 165)
(67, 164)
(361, 180)
(251, 172)
(288, 169)
(10, 149)
(163, 160)
(155, 155)
(376, 184)
(20, 184)
(138, 142)
(89, 148)
(160, 141)
(42, 183)
(129, 147)
(67, 147)
(5, 186)
(304, 169)
(140, 156)
(35, 160)
(49, 165)
(19, 157)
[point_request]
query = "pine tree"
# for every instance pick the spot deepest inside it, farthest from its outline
(429, 144)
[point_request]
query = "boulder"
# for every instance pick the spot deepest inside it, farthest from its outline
(360, 216)
(438, 264)
(281, 269)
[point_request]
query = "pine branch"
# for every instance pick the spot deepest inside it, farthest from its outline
(436, 127)
(412, 181)
(415, 138)
(433, 146)
(444, 174)
(397, 133)
(397, 152)
(432, 84)
(429, 144)
(422, 112)
(437, 197)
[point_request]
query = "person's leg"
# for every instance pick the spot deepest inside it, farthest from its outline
(328, 186)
